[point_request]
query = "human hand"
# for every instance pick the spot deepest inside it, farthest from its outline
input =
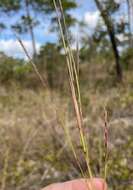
(79, 184)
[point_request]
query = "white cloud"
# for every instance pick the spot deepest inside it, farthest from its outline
(13, 48)
(117, 1)
(91, 18)
(122, 37)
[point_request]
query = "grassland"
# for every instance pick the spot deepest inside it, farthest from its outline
(34, 151)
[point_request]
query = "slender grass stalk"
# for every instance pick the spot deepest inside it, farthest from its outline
(73, 63)
(77, 56)
(43, 81)
(106, 142)
(100, 156)
(70, 72)
(74, 85)
(71, 145)
(5, 173)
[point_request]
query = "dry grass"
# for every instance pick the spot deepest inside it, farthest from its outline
(33, 152)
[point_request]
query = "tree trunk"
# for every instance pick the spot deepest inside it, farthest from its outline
(116, 55)
(31, 31)
(111, 32)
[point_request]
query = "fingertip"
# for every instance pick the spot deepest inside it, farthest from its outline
(99, 184)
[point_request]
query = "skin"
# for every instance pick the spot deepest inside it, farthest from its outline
(79, 184)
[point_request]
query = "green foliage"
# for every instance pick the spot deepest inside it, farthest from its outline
(12, 69)
(9, 5)
(2, 26)
(22, 26)
(6, 70)
(111, 6)
(127, 58)
(21, 70)
(44, 7)
(51, 62)
(48, 6)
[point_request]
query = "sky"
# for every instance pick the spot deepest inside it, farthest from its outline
(86, 11)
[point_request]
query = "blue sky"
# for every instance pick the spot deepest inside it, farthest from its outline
(83, 7)
(86, 11)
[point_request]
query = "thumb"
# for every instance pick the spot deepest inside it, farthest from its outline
(97, 184)
(79, 184)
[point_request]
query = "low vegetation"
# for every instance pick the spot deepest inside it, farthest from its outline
(34, 150)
